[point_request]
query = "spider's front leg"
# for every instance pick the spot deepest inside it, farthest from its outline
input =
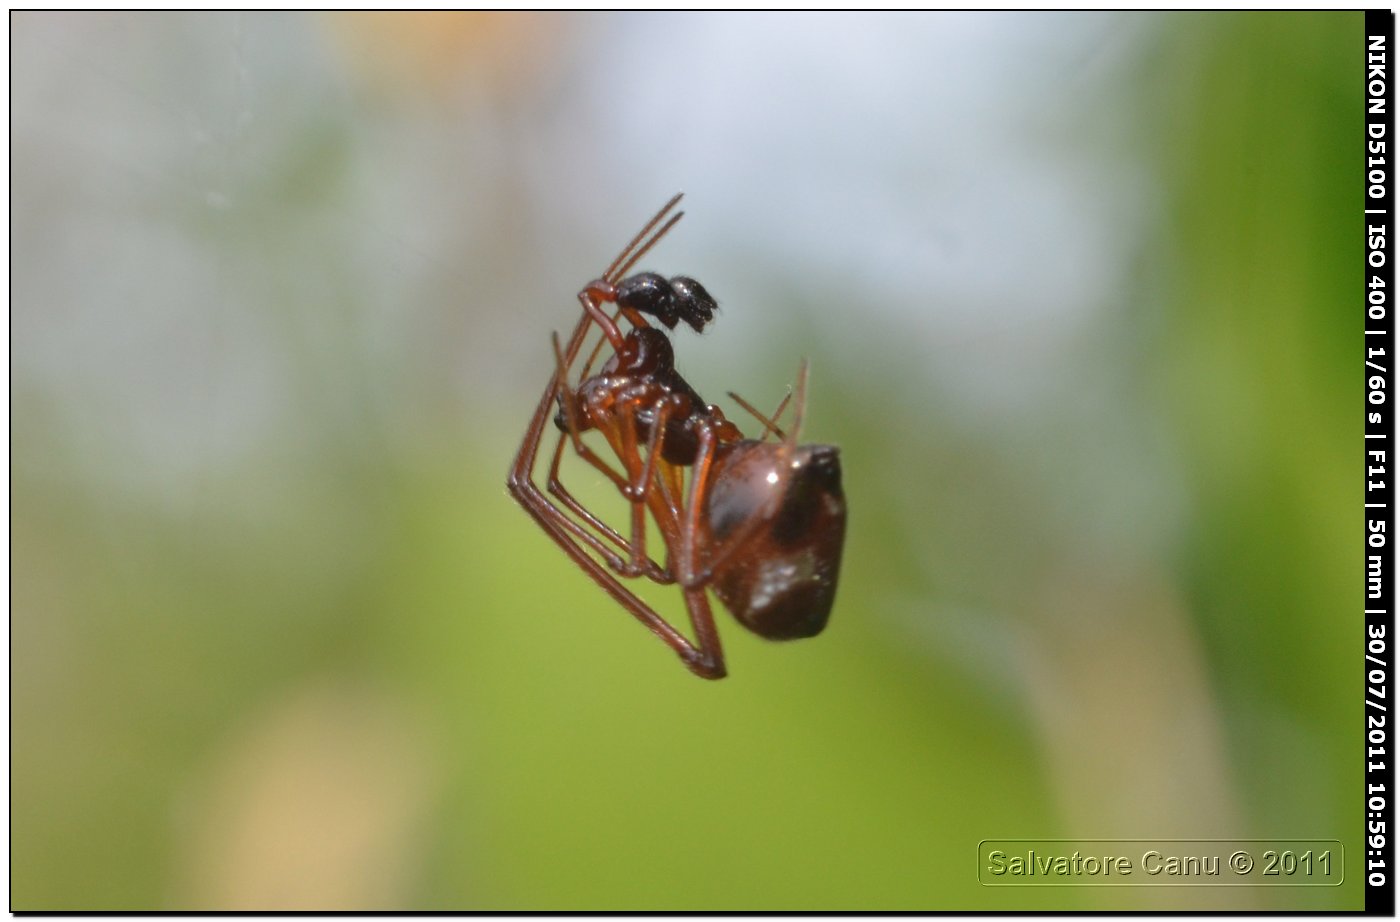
(638, 563)
(652, 491)
(617, 421)
(648, 492)
(705, 659)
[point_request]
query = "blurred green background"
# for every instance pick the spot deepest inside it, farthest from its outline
(1078, 295)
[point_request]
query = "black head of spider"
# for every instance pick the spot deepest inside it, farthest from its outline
(693, 303)
(670, 302)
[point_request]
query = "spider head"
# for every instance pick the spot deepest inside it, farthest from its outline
(670, 302)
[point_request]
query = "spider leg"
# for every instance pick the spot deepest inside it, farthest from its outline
(770, 423)
(612, 272)
(648, 477)
(688, 566)
(639, 564)
(643, 566)
(654, 473)
(644, 477)
(592, 298)
(616, 272)
(799, 406)
(603, 289)
(597, 348)
(556, 488)
(709, 662)
(705, 659)
(569, 400)
(689, 570)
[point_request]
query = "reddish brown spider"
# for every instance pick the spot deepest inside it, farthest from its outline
(759, 523)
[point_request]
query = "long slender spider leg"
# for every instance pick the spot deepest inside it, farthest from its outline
(782, 405)
(647, 477)
(597, 348)
(665, 506)
(688, 567)
(556, 488)
(639, 563)
(689, 572)
(635, 491)
(523, 467)
(697, 603)
(705, 660)
(669, 489)
(800, 406)
(608, 273)
(604, 290)
(592, 298)
(525, 462)
(569, 400)
(770, 423)
(622, 483)
(710, 653)
(616, 272)
(623, 567)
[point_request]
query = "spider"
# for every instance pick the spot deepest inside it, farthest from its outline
(759, 523)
